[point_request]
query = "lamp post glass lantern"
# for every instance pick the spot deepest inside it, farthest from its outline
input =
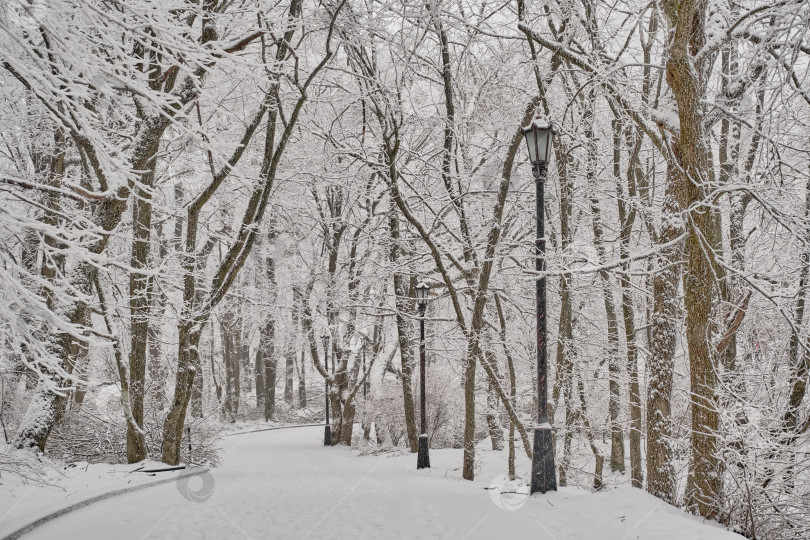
(423, 458)
(327, 430)
(539, 134)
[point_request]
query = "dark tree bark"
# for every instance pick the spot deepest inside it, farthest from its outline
(403, 300)
(492, 417)
(302, 382)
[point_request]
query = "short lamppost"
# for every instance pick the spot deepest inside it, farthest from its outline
(538, 138)
(327, 430)
(423, 458)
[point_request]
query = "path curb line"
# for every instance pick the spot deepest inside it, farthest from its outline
(25, 529)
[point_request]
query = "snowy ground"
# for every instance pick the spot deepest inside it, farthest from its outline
(285, 484)
(56, 486)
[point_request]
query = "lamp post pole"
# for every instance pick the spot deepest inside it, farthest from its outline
(423, 458)
(544, 478)
(365, 378)
(327, 430)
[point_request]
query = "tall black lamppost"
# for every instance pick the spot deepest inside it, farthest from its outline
(327, 430)
(538, 138)
(363, 339)
(423, 458)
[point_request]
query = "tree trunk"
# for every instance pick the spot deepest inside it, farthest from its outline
(347, 426)
(226, 336)
(512, 385)
(189, 341)
(140, 293)
(492, 417)
(468, 467)
(236, 367)
(565, 333)
(289, 369)
(614, 368)
(798, 358)
(627, 217)
(686, 76)
(258, 375)
(666, 307)
(302, 383)
(244, 356)
(268, 359)
(403, 288)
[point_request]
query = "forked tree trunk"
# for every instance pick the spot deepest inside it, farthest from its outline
(189, 340)
(195, 314)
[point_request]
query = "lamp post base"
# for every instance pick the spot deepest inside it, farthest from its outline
(423, 458)
(327, 435)
(544, 476)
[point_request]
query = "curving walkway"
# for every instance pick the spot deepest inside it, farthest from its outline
(284, 484)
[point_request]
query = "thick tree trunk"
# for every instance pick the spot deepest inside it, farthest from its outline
(347, 426)
(666, 308)
(403, 288)
(197, 387)
(189, 340)
(686, 76)
(140, 294)
(468, 466)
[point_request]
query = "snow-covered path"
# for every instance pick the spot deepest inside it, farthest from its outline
(284, 484)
